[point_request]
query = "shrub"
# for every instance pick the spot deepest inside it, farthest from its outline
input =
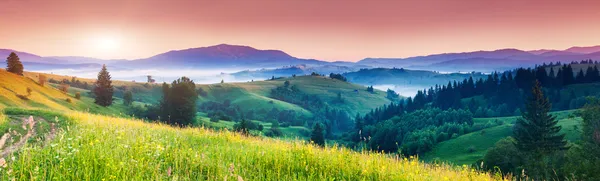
(273, 132)
(64, 87)
(23, 97)
(214, 119)
(284, 124)
(69, 100)
(77, 95)
(471, 149)
(201, 92)
(29, 91)
(42, 79)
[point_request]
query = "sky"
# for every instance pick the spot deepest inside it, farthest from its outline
(330, 30)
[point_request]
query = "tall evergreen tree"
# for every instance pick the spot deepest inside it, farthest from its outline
(537, 133)
(580, 78)
(103, 90)
(13, 64)
(165, 105)
(317, 136)
(568, 74)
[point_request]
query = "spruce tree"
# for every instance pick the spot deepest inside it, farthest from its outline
(537, 133)
(13, 64)
(317, 136)
(103, 90)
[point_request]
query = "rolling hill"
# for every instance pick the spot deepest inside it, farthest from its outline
(406, 77)
(13, 93)
(481, 141)
(96, 147)
(255, 95)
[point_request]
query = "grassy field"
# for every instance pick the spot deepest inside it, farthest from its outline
(254, 95)
(98, 147)
(481, 141)
(13, 93)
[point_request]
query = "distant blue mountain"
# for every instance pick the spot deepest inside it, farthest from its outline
(222, 56)
(235, 57)
(485, 61)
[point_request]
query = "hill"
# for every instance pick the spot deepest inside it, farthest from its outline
(255, 95)
(100, 147)
(288, 71)
(406, 77)
(475, 145)
(584, 50)
(13, 93)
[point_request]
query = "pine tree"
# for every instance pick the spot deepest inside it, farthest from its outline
(537, 133)
(317, 136)
(580, 78)
(13, 64)
(104, 89)
(127, 98)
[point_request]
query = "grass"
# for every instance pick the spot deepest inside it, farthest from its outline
(448, 151)
(255, 95)
(47, 97)
(107, 148)
(3, 122)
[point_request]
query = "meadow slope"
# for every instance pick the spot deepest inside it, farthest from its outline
(481, 141)
(107, 148)
(255, 95)
(13, 93)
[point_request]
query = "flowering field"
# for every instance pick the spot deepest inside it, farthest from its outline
(106, 148)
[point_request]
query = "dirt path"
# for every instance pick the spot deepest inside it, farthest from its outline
(28, 124)
(50, 135)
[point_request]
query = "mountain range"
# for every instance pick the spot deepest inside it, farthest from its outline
(486, 61)
(237, 57)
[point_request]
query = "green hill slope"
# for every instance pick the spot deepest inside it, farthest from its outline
(255, 95)
(457, 150)
(108, 148)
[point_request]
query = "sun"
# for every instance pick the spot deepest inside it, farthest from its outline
(107, 43)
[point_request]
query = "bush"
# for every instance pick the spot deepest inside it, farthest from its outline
(284, 125)
(29, 91)
(273, 132)
(42, 80)
(64, 87)
(214, 119)
(471, 149)
(23, 97)
(201, 92)
(77, 95)
(503, 156)
(69, 100)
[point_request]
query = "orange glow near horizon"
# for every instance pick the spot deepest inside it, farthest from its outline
(327, 30)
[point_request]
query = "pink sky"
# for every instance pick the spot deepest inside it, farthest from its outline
(321, 29)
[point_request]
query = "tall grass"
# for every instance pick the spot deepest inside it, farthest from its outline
(3, 122)
(107, 148)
